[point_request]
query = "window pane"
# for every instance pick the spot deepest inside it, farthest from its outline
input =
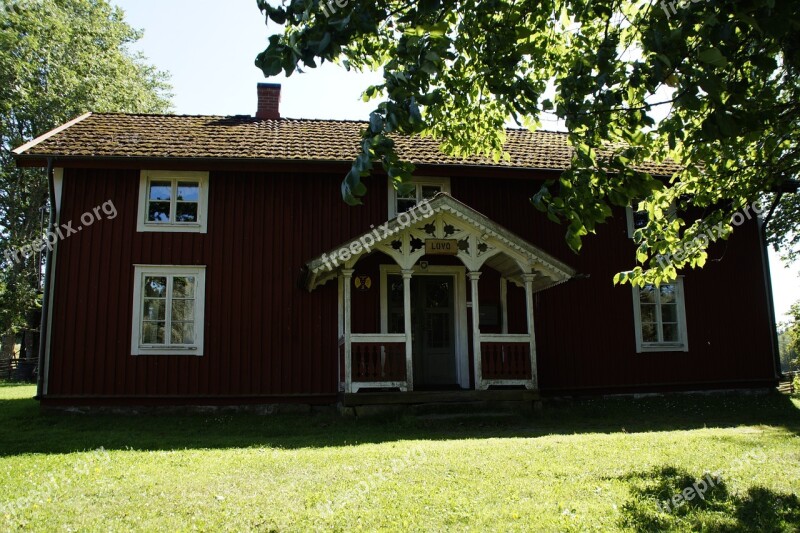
(153, 332)
(640, 219)
(183, 310)
(429, 191)
(160, 190)
(185, 212)
(649, 333)
(182, 333)
(671, 333)
(158, 212)
(648, 313)
(437, 331)
(154, 309)
(647, 294)
(395, 286)
(155, 286)
(669, 313)
(410, 194)
(405, 205)
(188, 191)
(668, 294)
(438, 295)
(397, 322)
(183, 287)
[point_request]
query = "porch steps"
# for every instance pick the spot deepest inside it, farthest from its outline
(439, 397)
(442, 405)
(456, 417)
(486, 411)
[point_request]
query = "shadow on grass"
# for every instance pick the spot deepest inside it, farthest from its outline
(650, 508)
(26, 429)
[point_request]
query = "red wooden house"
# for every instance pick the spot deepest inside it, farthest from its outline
(232, 273)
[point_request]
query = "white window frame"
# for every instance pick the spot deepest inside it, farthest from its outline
(629, 211)
(146, 176)
(683, 344)
(140, 272)
(443, 182)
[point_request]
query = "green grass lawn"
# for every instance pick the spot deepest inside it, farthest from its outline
(584, 465)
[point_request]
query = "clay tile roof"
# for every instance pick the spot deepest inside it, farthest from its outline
(113, 135)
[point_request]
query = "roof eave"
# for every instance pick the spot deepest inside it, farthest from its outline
(55, 131)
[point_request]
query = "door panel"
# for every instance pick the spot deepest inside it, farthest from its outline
(434, 344)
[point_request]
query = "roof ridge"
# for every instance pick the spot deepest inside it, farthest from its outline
(291, 119)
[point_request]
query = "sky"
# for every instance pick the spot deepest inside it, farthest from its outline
(209, 48)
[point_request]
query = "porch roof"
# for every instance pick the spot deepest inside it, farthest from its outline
(480, 241)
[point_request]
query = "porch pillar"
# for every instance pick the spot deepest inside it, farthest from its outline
(476, 329)
(347, 281)
(407, 273)
(528, 278)
(504, 303)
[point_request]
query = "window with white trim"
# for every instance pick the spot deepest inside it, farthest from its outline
(173, 201)
(422, 189)
(660, 318)
(168, 310)
(636, 218)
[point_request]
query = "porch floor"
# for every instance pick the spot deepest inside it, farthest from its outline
(444, 396)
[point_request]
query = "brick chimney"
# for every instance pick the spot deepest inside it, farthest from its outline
(269, 99)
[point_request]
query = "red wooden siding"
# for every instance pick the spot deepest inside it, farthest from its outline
(267, 337)
(585, 329)
(264, 335)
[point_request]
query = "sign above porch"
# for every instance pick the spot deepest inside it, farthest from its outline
(441, 246)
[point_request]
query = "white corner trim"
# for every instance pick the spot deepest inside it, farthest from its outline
(140, 271)
(146, 176)
(58, 188)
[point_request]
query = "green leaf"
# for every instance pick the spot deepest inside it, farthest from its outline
(713, 56)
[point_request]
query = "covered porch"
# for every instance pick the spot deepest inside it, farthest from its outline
(425, 268)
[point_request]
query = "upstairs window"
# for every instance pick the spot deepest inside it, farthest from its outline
(422, 189)
(168, 309)
(660, 317)
(173, 201)
(636, 218)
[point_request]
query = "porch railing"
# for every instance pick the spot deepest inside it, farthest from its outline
(506, 360)
(378, 361)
